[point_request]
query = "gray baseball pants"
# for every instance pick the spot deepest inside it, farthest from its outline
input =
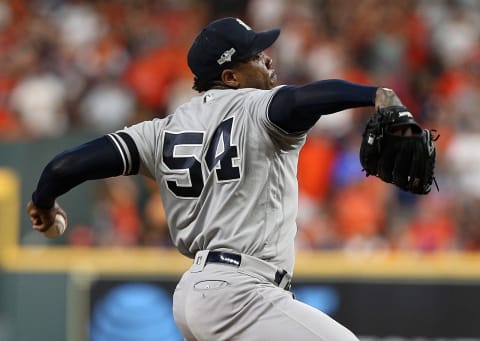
(222, 302)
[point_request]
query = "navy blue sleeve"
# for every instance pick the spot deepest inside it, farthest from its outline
(297, 108)
(107, 156)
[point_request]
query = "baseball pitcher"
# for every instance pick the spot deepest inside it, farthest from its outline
(225, 164)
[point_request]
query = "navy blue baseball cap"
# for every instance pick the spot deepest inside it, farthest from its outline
(223, 42)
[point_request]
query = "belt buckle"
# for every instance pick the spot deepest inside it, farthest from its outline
(199, 261)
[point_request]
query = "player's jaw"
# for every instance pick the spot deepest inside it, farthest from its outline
(262, 78)
(272, 75)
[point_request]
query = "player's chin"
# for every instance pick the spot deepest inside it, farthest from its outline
(272, 75)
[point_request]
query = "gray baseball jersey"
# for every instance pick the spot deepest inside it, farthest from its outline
(227, 177)
(226, 174)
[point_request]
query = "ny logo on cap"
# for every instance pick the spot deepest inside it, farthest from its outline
(226, 56)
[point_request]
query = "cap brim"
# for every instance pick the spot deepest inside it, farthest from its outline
(264, 40)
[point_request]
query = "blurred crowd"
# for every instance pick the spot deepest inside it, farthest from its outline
(101, 65)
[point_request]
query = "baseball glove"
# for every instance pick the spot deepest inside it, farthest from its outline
(398, 150)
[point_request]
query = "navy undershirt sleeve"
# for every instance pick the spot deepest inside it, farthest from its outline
(97, 159)
(297, 108)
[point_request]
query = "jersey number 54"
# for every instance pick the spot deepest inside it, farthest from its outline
(178, 155)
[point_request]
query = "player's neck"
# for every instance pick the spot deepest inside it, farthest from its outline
(219, 85)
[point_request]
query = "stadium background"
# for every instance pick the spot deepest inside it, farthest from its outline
(383, 262)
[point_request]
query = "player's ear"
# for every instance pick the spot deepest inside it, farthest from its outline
(230, 78)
